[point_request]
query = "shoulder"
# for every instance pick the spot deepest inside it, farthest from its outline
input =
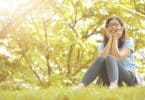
(129, 41)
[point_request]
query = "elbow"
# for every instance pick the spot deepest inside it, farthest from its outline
(120, 57)
(102, 55)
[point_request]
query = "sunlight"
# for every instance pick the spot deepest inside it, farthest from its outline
(11, 5)
(4, 51)
(89, 3)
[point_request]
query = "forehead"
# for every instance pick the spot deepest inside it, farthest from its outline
(114, 21)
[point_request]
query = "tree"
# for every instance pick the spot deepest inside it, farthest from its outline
(51, 40)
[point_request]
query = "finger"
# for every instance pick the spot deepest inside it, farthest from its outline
(120, 30)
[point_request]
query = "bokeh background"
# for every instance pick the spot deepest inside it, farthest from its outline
(52, 42)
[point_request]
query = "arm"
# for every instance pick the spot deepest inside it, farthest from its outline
(106, 50)
(119, 54)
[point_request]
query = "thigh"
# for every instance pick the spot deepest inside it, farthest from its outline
(125, 76)
(93, 71)
(97, 65)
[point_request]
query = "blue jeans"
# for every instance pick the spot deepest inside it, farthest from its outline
(109, 70)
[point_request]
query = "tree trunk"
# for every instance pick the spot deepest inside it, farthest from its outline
(69, 60)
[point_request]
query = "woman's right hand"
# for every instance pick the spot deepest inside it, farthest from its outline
(108, 34)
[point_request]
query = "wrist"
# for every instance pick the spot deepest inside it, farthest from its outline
(115, 38)
(110, 38)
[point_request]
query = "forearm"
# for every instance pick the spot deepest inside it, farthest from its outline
(114, 49)
(106, 50)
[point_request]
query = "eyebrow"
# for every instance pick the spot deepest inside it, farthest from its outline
(113, 23)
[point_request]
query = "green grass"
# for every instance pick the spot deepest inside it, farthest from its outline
(66, 93)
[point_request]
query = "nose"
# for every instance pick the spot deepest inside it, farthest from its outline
(113, 26)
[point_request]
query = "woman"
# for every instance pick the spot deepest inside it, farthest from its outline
(115, 63)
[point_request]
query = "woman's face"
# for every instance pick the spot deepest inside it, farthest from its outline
(113, 26)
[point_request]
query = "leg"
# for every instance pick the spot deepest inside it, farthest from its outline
(103, 77)
(112, 68)
(93, 71)
(117, 73)
(125, 76)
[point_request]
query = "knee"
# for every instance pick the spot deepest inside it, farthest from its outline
(100, 59)
(110, 57)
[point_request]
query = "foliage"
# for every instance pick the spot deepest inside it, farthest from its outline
(52, 42)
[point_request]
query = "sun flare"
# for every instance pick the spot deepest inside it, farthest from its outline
(10, 5)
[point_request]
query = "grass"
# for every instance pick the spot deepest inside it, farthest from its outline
(66, 93)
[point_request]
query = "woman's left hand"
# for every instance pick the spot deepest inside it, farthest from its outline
(118, 34)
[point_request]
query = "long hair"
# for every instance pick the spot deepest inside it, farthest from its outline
(122, 38)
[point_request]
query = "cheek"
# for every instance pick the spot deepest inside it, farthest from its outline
(119, 27)
(108, 29)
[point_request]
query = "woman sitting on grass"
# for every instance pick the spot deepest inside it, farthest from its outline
(115, 63)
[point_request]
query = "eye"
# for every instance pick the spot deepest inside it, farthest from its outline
(113, 24)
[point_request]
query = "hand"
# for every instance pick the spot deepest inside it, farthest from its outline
(118, 34)
(108, 34)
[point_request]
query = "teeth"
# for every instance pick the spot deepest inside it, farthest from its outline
(114, 31)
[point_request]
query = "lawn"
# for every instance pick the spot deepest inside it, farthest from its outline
(66, 93)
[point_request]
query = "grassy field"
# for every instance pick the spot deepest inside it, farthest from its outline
(66, 93)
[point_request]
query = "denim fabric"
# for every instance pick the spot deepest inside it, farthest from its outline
(128, 62)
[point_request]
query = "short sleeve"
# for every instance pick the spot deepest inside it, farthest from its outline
(100, 47)
(129, 44)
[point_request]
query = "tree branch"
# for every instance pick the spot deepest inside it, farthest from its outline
(17, 15)
(82, 66)
(69, 59)
(47, 50)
